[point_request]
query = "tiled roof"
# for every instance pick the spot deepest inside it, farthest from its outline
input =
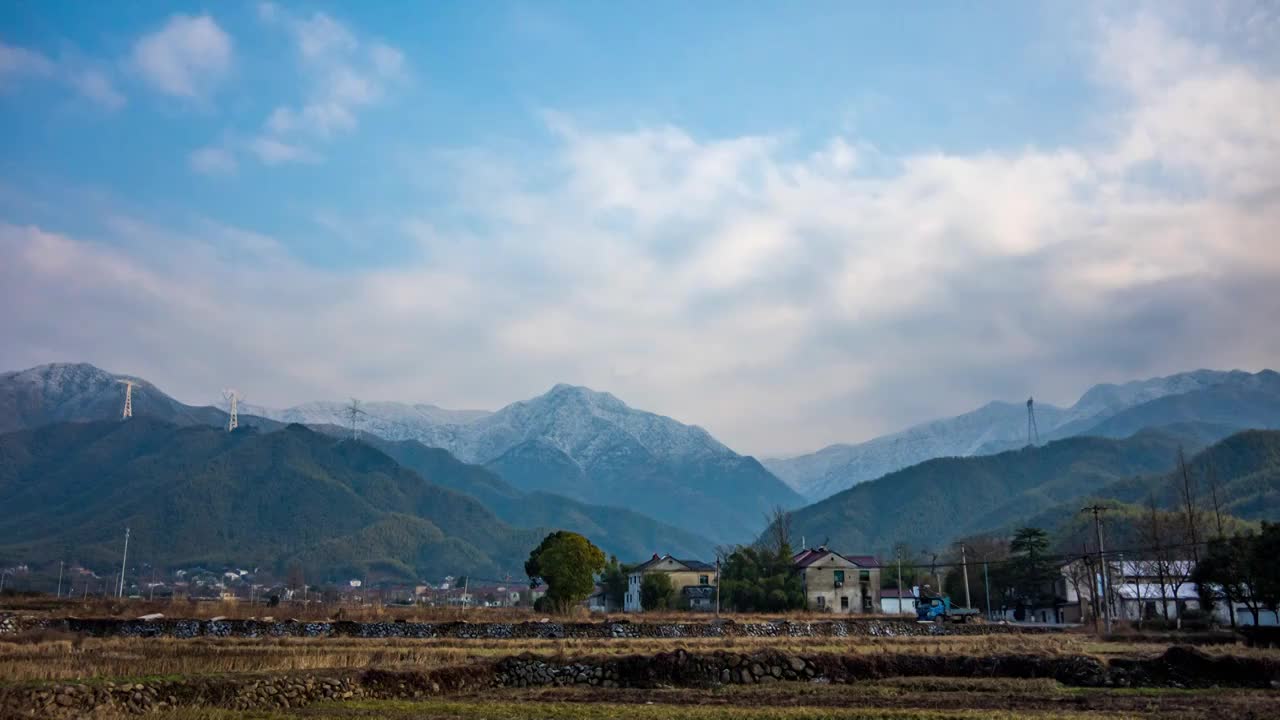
(805, 558)
(694, 565)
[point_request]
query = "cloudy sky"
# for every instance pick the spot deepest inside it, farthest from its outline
(792, 224)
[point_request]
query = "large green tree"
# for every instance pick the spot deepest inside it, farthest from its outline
(756, 579)
(1244, 569)
(656, 592)
(568, 563)
(614, 580)
(1027, 578)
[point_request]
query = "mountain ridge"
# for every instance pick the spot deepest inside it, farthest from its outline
(994, 427)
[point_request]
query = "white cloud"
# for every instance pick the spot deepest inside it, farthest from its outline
(782, 297)
(213, 161)
(187, 57)
(276, 152)
(17, 62)
(346, 74)
(95, 85)
(91, 82)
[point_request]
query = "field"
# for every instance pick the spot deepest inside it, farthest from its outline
(229, 678)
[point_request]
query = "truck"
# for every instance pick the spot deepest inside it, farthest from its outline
(939, 609)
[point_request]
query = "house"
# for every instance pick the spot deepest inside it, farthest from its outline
(894, 603)
(701, 598)
(683, 574)
(837, 583)
(599, 602)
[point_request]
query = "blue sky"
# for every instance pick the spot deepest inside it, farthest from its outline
(856, 215)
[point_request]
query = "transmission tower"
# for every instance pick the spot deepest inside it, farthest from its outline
(354, 412)
(232, 398)
(128, 399)
(1032, 430)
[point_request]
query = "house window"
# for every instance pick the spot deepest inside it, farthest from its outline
(704, 579)
(864, 574)
(844, 603)
(839, 577)
(822, 602)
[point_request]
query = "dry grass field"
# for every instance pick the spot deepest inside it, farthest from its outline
(48, 657)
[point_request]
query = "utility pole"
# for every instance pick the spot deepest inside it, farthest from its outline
(898, 553)
(124, 559)
(59, 593)
(1097, 511)
(964, 565)
(986, 585)
(717, 586)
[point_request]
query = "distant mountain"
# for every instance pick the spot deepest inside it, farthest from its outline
(1234, 400)
(1245, 468)
(387, 420)
(930, 504)
(574, 442)
(593, 448)
(62, 392)
(618, 531)
(201, 495)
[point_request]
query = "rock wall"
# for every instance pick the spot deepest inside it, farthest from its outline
(187, 628)
(1178, 667)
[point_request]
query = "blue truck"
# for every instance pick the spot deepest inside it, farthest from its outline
(939, 609)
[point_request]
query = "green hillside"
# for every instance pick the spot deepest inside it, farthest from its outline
(199, 495)
(1246, 467)
(930, 504)
(618, 531)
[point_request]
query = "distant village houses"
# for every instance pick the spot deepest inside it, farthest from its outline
(692, 580)
(836, 583)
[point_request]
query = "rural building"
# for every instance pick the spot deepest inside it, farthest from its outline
(891, 603)
(683, 574)
(837, 583)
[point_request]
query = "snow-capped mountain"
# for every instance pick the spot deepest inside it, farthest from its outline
(60, 392)
(387, 420)
(992, 428)
(592, 447)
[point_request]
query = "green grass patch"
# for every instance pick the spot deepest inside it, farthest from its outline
(439, 710)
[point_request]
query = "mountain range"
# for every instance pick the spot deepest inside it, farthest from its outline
(637, 483)
(1233, 400)
(594, 448)
(198, 495)
(931, 504)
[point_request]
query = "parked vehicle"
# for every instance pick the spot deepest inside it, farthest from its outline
(940, 609)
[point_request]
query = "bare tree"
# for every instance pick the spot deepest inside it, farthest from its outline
(779, 528)
(1216, 498)
(1190, 509)
(1154, 536)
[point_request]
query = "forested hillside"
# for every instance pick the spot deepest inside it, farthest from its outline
(618, 531)
(197, 494)
(930, 504)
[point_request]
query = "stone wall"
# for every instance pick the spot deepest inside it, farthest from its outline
(188, 628)
(1178, 667)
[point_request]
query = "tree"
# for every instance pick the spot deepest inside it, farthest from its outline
(778, 534)
(1187, 493)
(755, 579)
(568, 563)
(656, 592)
(295, 579)
(1028, 578)
(614, 580)
(1243, 569)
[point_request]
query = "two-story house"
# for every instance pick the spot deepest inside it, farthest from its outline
(683, 573)
(837, 583)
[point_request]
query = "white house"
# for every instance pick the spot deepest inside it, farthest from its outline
(891, 603)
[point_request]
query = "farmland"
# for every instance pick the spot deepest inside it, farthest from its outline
(47, 671)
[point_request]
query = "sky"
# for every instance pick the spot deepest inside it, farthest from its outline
(793, 224)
